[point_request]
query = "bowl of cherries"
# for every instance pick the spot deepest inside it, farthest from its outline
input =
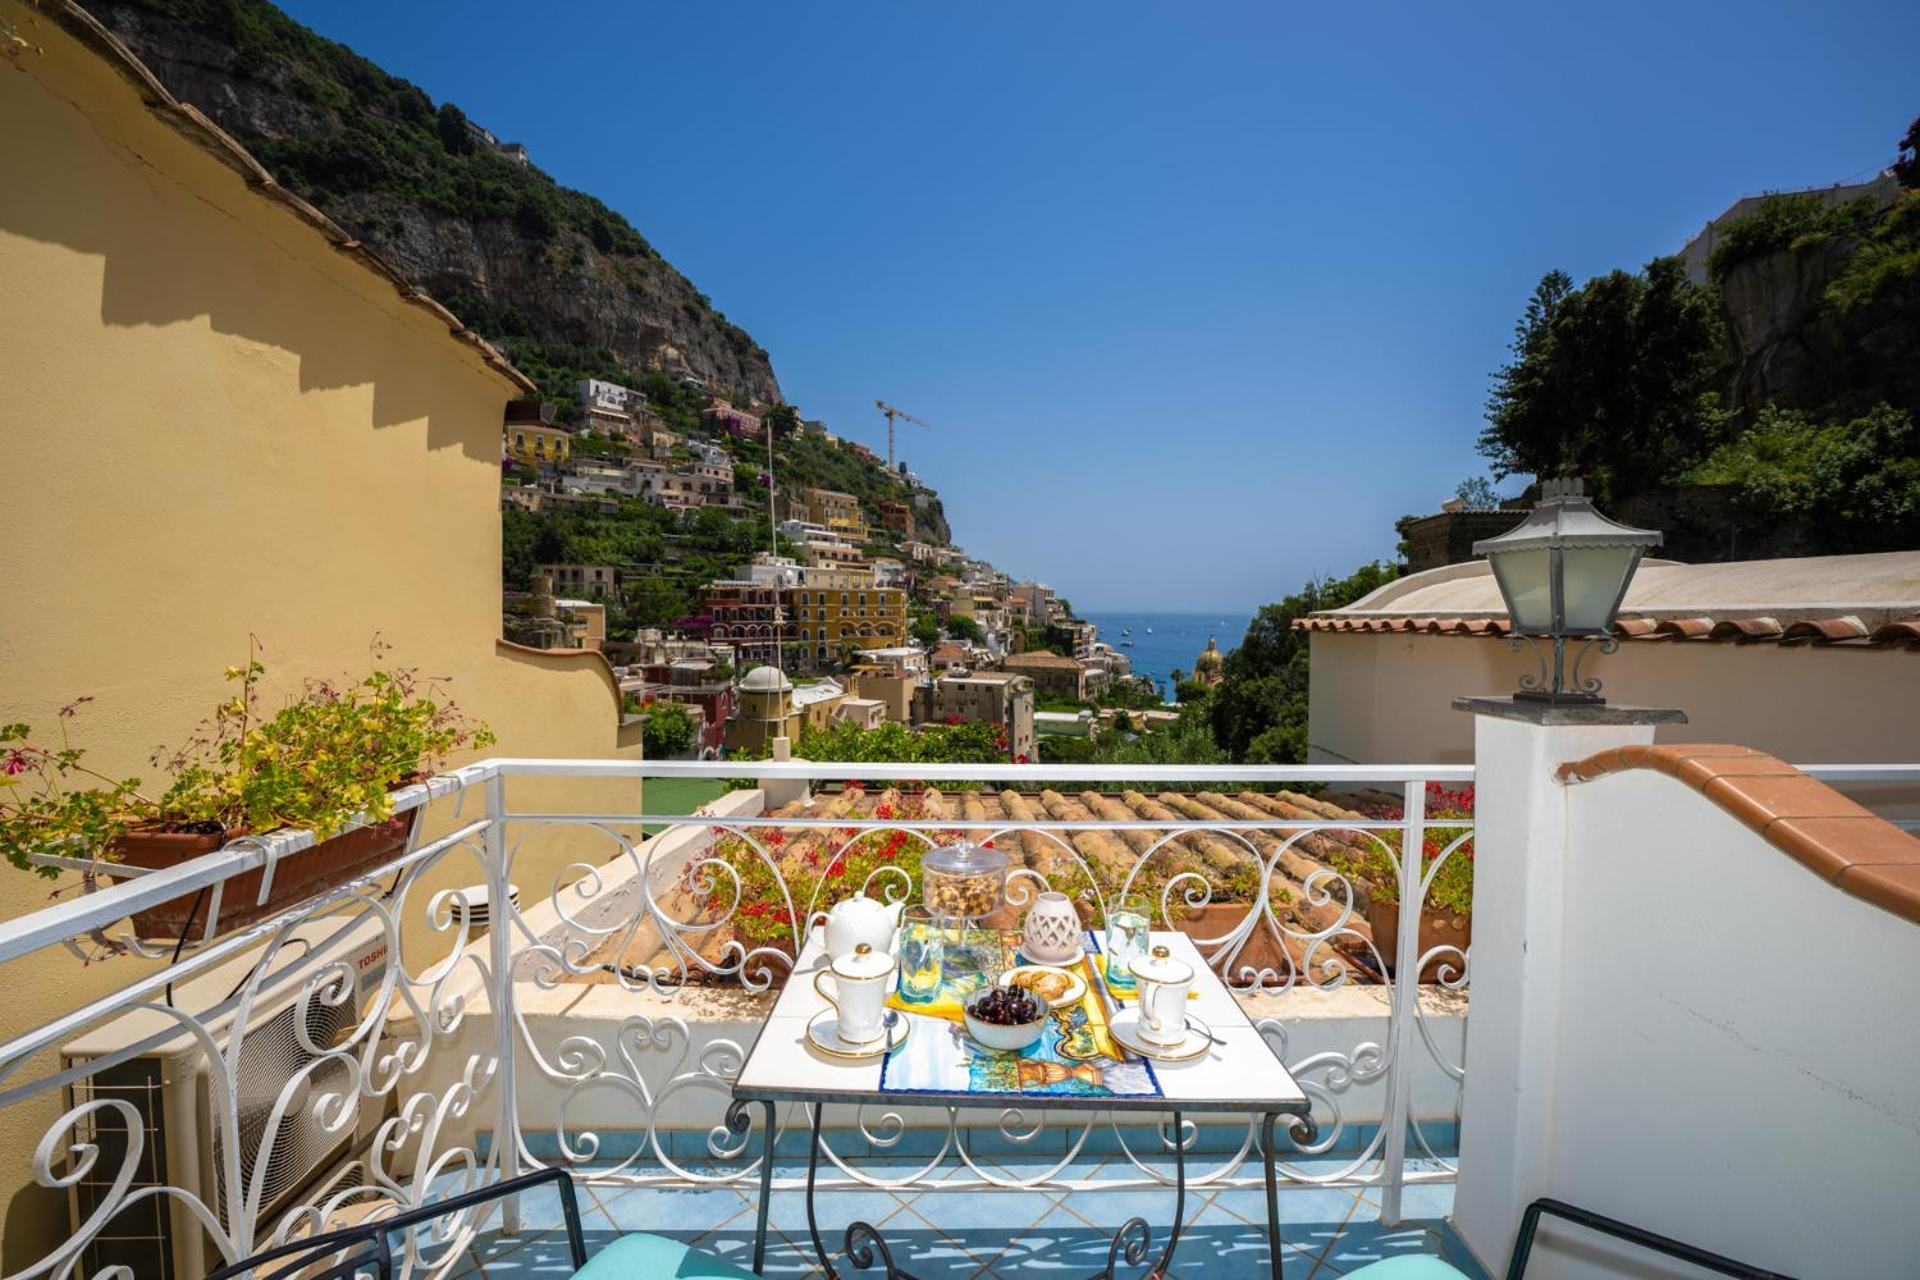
(1006, 1018)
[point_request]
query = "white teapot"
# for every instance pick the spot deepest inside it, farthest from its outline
(862, 919)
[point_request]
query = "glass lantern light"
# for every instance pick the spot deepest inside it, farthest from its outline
(1563, 572)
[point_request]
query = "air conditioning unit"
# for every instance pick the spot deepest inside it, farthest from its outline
(166, 1082)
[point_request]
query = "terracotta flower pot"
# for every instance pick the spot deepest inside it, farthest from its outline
(1262, 950)
(303, 875)
(1437, 928)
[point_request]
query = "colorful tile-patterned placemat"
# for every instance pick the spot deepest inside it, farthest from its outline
(1076, 1054)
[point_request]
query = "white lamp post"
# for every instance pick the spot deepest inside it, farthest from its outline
(1563, 572)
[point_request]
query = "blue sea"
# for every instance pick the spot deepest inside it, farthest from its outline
(1176, 639)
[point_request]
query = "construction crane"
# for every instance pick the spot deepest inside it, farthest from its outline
(893, 413)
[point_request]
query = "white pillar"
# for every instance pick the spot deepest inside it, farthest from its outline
(1520, 845)
(784, 791)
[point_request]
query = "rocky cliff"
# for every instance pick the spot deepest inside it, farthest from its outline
(1799, 334)
(515, 255)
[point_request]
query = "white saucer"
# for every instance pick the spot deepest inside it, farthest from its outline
(823, 1033)
(1076, 985)
(1079, 954)
(1126, 1029)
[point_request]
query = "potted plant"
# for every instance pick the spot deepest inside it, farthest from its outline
(1446, 916)
(325, 759)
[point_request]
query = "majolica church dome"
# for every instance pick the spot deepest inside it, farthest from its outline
(1207, 667)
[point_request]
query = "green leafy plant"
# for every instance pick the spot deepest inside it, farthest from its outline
(324, 758)
(1857, 479)
(1375, 862)
(668, 730)
(1787, 222)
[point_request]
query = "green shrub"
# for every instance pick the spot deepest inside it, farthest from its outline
(668, 730)
(1857, 480)
(1786, 222)
(1888, 260)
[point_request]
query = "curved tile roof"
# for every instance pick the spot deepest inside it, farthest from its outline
(1855, 601)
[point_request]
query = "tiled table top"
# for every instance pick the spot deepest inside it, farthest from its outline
(1242, 1074)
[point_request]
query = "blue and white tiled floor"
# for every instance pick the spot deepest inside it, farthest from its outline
(1023, 1235)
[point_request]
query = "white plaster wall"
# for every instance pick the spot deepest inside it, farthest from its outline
(1737, 1045)
(1387, 698)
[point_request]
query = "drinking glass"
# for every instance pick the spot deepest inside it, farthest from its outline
(922, 955)
(1128, 920)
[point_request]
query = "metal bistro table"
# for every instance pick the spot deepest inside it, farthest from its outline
(1238, 1075)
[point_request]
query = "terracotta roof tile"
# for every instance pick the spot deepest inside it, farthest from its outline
(1754, 629)
(1824, 630)
(1746, 630)
(1832, 836)
(1905, 631)
(1039, 658)
(1685, 628)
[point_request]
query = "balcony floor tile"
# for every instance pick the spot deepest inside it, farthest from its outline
(976, 1235)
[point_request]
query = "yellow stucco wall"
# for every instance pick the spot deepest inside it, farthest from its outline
(218, 425)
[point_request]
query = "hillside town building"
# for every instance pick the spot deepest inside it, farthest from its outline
(838, 512)
(1050, 672)
(986, 697)
(531, 437)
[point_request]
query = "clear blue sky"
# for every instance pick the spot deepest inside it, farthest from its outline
(1200, 297)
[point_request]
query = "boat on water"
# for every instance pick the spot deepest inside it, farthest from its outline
(1149, 630)
(1126, 631)
(1126, 643)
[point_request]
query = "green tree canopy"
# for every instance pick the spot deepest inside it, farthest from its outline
(783, 419)
(668, 730)
(964, 628)
(1476, 493)
(1608, 381)
(1259, 711)
(894, 743)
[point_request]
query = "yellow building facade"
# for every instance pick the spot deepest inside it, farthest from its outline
(537, 444)
(280, 444)
(831, 622)
(839, 512)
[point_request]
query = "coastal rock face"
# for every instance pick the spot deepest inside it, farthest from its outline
(640, 309)
(1779, 346)
(550, 283)
(1788, 344)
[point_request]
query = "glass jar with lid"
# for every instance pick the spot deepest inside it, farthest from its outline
(964, 881)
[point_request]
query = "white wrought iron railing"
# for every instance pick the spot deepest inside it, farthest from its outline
(407, 1043)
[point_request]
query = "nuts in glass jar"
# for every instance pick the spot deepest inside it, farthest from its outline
(963, 896)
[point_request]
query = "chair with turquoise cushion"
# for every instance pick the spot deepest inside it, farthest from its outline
(1419, 1267)
(657, 1258)
(1426, 1267)
(362, 1252)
